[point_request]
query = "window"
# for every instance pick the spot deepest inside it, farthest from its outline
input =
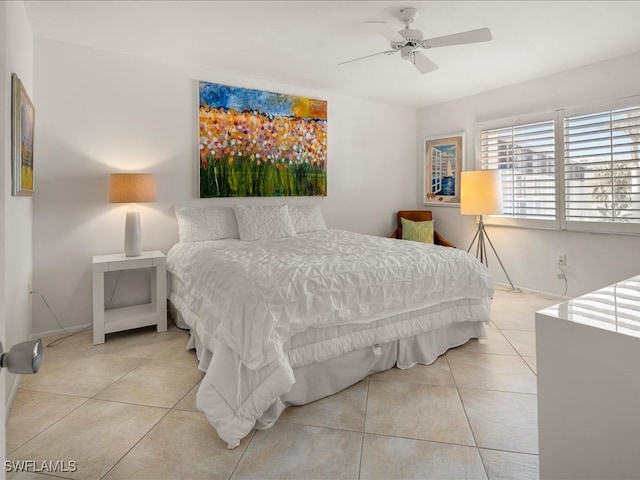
(602, 166)
(576, 170)
(525, 154)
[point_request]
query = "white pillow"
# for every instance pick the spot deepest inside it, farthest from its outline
(306, 218)
(200, 224)
(264, 222)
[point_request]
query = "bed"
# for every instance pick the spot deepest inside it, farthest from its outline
(283, 311)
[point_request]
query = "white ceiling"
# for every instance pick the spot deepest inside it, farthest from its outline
(301, 42)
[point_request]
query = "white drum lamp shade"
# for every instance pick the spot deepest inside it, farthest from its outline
(132, 188)
(481, 193)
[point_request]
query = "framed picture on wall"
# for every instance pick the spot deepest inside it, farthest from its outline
(22, 123)
(255, 143)
(443, 160)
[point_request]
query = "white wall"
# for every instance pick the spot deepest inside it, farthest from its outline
(594, 260)
(17, 220)
(101, 113)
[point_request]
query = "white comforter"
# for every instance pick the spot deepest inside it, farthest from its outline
(246, 299)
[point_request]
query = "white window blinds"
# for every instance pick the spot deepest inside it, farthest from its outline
(602, 166)
(526, 155)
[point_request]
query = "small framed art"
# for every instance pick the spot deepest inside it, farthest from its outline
(22, 124)
(443, 160)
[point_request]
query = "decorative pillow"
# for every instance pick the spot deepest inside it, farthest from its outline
(306, 218)
(417, 231)
(264, 222)
(200, 224)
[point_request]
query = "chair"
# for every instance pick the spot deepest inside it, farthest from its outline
(419, 216)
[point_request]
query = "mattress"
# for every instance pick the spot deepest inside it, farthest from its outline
(263, 310)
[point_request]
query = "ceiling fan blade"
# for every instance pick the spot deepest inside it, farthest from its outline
(386, 31)
(472, 36)
(388, 52)
(423, 64)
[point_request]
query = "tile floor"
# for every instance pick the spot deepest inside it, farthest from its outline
(126, 409)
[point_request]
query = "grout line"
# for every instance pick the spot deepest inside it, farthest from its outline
(136, 443)
(252, 433)
(464, 409)
(146, 361)
(364, 425)
(54, 423)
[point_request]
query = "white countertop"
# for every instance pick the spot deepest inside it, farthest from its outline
(615, 308)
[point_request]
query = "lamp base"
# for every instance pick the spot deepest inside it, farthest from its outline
(132, 235)
(481, 250)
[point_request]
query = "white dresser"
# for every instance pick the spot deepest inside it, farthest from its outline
(588, 363)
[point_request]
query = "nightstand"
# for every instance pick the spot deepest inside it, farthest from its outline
(136, 316)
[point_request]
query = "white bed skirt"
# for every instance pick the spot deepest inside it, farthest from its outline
(319, 380)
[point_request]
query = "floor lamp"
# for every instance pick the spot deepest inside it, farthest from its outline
(481, 194)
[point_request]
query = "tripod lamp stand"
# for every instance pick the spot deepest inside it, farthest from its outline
(481, 194)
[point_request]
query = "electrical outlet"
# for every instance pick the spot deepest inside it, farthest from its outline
(561, 259)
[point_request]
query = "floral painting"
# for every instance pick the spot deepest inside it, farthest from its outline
(258, 143)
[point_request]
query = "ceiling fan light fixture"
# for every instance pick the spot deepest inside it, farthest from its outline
(409, 41)
(407, 15)
(407, 53)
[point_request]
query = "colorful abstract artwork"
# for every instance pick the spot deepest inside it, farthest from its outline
(22, 126)
(255, 143)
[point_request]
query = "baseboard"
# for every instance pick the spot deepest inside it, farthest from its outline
(57, 332)
(551, 296)
(12, 396)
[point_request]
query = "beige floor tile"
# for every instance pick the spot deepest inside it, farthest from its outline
(344, 410)
(523, 342)
(516, 311)
(412, 410)
(510, 466)
(502, 420)
(513, 311)
(141, 342)
(176, 349)
(401, 458)
(34, 412)
(95, 435)
(53, 359)
(290, 451)
(492, 372)
(531, 361)
(157, 383)
(188, 402)
(515, 321)
(437, 373)
(181, 445)
(98, 434)
(495, 343)
(78, 342)
(28, 475)
(83, 377)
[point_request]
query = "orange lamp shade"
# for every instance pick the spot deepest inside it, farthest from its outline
(132, 188)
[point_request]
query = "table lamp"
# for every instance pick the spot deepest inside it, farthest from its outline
(481, 194)
(132, 188)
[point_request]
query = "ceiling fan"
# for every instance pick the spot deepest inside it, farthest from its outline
(409, 41)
